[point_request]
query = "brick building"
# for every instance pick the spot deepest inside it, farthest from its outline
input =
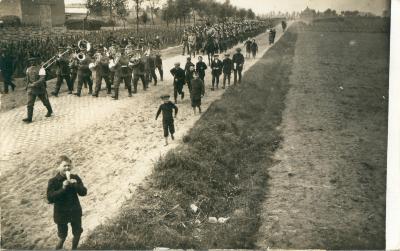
(46, 13)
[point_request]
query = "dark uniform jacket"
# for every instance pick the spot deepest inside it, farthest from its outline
(179, 75)
(188, 72)
(254, 47)
(35, 84)
(102, 68)
(227, 66)
(83, 67)
(63, 68)
(198, 89)
(238, 59)
(166, 110)
(201, 68)
(121, 68)
(158, 60)
(66, 202)
(139, 68)
(6, 64)
(216, 66)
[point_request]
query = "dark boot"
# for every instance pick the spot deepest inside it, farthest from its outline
(129, 91)
(75, 242)
(90, 90)
(49, 111)
(60, 244)
(78, 93)
(115, 96)
(54, 93)
(28, 119)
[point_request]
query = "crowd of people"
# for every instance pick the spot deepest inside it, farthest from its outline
(19, 51)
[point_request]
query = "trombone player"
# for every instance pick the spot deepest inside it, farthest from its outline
(36, 87)
(63, 71)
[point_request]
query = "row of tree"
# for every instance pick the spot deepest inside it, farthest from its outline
(184, 10)
(311, 13)
(176, 11)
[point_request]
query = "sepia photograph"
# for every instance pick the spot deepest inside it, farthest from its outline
(199, 124)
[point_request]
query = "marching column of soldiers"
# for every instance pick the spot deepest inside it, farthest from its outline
(130, 63)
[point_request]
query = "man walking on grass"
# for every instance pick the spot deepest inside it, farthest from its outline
(63, 191)
(168, 119)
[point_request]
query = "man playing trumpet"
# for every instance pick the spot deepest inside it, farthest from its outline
(123, 72)
(63, 191)
(102, 71)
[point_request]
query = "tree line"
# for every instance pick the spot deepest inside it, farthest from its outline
(173, 11)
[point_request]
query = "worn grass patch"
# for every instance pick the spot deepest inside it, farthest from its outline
(221, 168)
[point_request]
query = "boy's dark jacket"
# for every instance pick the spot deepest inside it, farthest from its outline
(66, 202)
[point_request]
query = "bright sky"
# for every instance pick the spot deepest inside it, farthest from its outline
(264, 6)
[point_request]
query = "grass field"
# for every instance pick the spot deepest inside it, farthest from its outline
(328, 190)
(221, 168)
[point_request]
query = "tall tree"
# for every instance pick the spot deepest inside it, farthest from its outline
(153, 8)
(138, 4)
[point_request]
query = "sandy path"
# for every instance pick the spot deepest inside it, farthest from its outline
(114, 145)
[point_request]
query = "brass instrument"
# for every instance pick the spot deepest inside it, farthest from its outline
(84, 45)
(114, 62)
(81, 56)
(135, 60)
(52, 60)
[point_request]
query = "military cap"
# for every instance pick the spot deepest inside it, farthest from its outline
(216, 55)
(177, 64)
(165, 96)
(238, 49)
(227, 54)
(188, 58)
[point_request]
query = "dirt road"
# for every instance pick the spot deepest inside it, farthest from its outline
(328, 188)
(112, 143)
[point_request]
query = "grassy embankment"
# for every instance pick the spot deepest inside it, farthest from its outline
(221, 168)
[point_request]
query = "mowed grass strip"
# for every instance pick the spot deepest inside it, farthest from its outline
(221, 168)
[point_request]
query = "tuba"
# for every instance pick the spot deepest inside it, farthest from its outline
(84, 45)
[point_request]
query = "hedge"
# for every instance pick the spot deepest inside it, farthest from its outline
(10, 21)
(77, 24)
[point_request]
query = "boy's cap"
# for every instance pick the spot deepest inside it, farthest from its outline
(216, 55)
(238, 49)
(165, 96)
(188, 58)
(177, 64)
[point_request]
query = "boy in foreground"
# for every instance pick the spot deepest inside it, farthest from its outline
(63, 191)
(168, 120)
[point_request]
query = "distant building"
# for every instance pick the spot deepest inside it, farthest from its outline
(46, 13)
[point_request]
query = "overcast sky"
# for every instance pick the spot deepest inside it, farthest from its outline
(264, 6)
